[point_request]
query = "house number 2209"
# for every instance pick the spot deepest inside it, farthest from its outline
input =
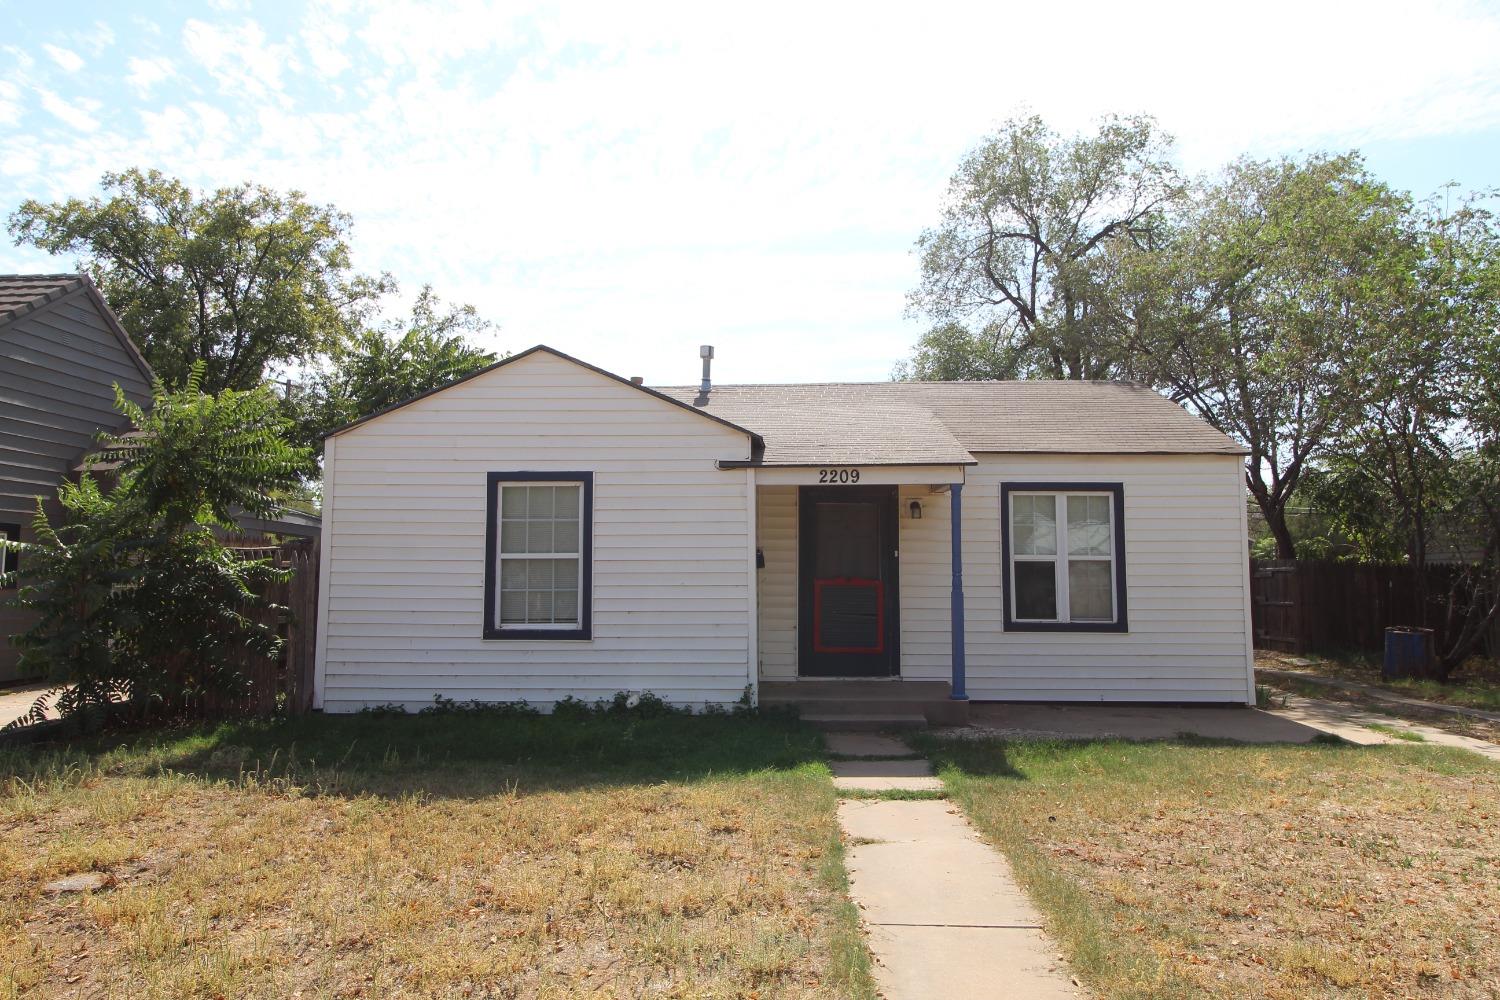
(838, 475)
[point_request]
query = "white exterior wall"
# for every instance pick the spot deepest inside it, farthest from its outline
(1186, 575)
(404, 531)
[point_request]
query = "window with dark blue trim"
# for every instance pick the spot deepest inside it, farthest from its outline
(538, 555)
(1063, 553)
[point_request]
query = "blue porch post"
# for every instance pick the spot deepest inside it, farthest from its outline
(956, 601)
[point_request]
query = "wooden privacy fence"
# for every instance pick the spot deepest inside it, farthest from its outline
(1301, 605)
(284, 684)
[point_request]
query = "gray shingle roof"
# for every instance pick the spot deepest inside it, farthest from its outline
(21, 293)
(946, 423)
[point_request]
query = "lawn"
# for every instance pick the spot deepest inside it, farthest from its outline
(1477, 688)
(462, 855)
(1187, 869)
(1476, 685)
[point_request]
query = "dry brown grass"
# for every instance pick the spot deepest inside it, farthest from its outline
(1189, 870)
(469, 878)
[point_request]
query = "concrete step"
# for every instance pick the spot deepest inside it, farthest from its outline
(804, 691)
(867, 722)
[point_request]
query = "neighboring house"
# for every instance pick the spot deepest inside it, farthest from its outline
(62, 352)
(545, 528)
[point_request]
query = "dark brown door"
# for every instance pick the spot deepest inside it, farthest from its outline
(848, 612)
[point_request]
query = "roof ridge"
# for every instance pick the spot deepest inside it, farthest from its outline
(54, 276)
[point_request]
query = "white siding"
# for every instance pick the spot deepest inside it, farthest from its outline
(1186, 575)
(406, 535)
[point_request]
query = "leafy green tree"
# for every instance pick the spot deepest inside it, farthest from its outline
(1252, 312)
(385, 366)
(1421, 450)
(1034, 235)
(240, 279)
(136, 596)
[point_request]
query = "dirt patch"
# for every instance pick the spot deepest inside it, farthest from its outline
(207, 888)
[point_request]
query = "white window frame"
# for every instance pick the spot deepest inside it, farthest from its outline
(1060, 558)
(500, 557)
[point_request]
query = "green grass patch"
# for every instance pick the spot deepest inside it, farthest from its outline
(1396, 732)
(894, 794)
(1177, 869)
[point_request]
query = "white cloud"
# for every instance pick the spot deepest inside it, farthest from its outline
(325, 36)
(628, 181)
(70, 61)
(96, 39)
(239, 57)
(10, 103)
(74, 114)
(144, 74)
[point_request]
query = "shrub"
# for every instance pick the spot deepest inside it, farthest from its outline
(138, 600)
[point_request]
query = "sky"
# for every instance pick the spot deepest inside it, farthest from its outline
(626, 181)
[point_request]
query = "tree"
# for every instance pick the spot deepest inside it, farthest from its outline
(240, 280)
(1251, 313)
(136, 596)
(388, 365)
(1421, 453)
(1034, 233)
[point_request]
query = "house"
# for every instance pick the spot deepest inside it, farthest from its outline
(62, 352)
(545, 528)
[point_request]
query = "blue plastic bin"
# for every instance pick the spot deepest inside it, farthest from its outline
(1407, 652)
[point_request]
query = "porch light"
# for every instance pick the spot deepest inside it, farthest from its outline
(916, 510)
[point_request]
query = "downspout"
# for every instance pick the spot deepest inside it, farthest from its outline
(956, 600)
(752, 530)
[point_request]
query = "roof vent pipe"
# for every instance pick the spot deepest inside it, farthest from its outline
(706, 352)
(637, 380)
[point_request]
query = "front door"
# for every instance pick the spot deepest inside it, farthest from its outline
(847, 609)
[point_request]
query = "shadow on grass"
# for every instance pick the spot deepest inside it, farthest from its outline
(453, 755)
(999, 757)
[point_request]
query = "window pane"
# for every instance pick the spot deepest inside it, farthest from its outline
(567, 501)
(1036, 590)
(539, 574)
(513, 574)
(565, 605)
(565, 574)
(512, 501)
(538, 536)
(1035, 524)
(1089, 590)
(1088, 526)
(541, 501)
(539, 606)
(512, 607)
(565, 536)
(512, 536)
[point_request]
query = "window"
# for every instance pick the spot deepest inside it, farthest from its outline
(539, 541)
(8, 533)
(1064, 551)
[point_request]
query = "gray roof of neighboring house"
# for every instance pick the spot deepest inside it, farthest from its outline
(946, 423)
(21, 293)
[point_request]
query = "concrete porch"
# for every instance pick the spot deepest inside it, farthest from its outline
(868, 705)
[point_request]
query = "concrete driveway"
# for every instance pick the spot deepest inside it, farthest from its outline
(1145, 722)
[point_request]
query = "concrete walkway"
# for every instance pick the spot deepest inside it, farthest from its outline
(944, 914)
(17, 701)
(1377, 693)
(1353, 723)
